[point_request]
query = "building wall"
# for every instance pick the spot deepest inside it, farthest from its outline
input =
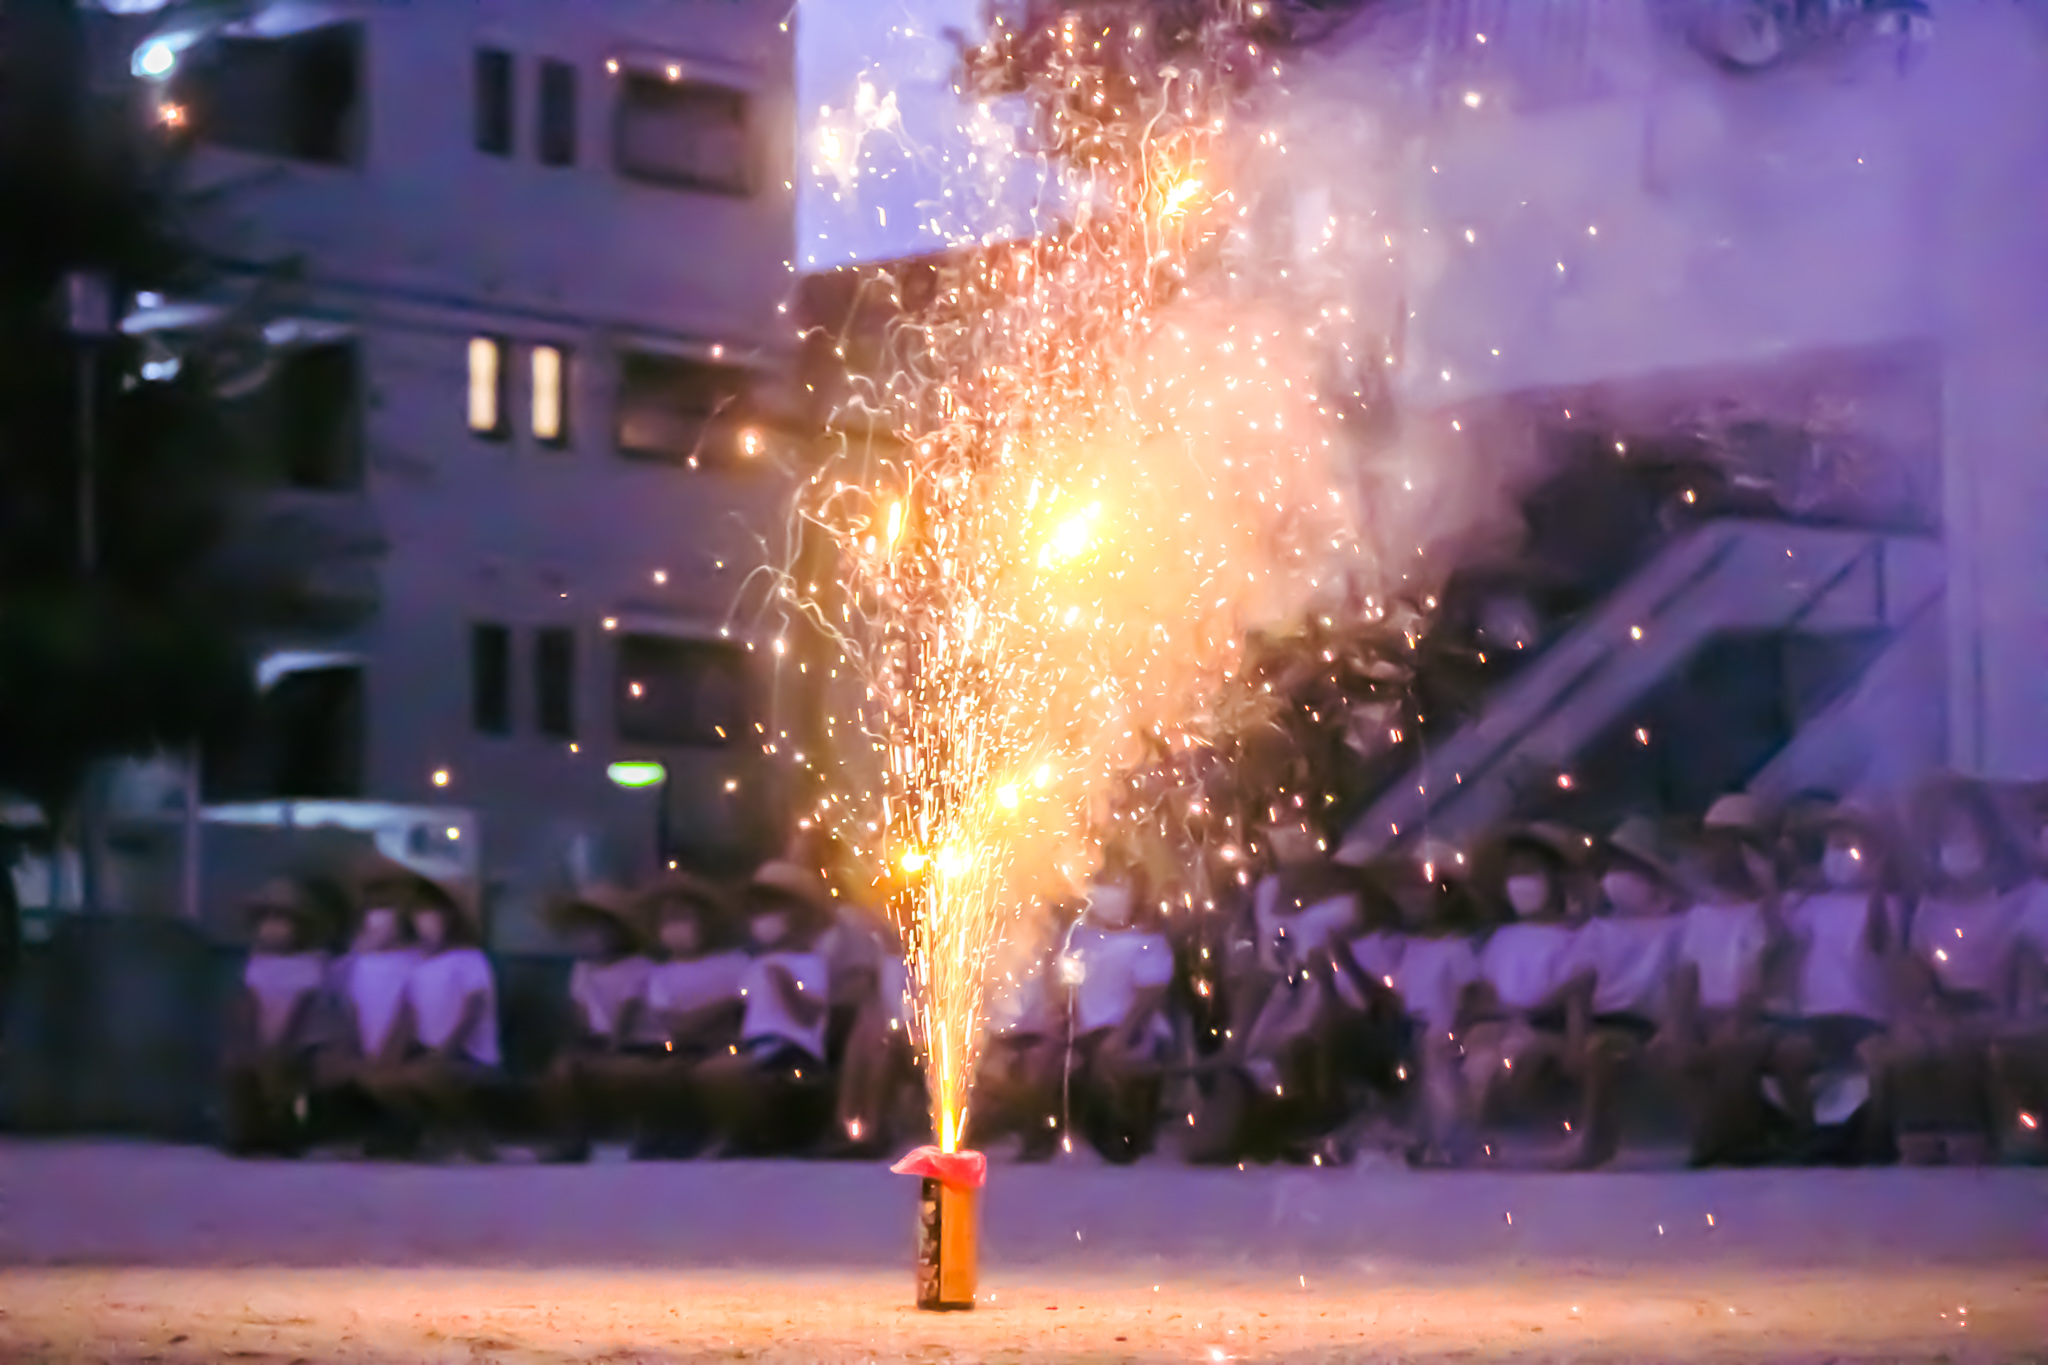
(429, 242)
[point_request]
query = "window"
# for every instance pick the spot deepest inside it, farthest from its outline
(305, 421)
(554, 679)
(557, 133)
(684, 133)
(304, 741)
(490, 678)
(671, 408)
(494, 102)
(297, 96)
(680, 692)
(550, 395)
(487, 386)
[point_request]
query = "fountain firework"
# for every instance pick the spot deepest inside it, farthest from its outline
(1081, 468)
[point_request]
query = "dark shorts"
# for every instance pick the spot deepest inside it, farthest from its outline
(1834, 1037)
(1634, 1027)
(779, 1057)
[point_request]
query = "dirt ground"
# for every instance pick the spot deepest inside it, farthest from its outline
(126, 1254)
(582, 1314)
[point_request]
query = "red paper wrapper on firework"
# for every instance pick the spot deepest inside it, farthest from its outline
(948, 1224)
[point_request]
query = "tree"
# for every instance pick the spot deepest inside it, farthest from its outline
(142, 647)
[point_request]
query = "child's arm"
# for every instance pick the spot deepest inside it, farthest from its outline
(803, 1007)
(296, 1021)
(404, 1030)
(710, 1023)
(474, 1007)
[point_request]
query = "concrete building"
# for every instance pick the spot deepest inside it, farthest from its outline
(522, 265)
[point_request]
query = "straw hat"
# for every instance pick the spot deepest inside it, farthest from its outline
(677, 885)
(1635, 840)
(375, 869)
(798, 886)
(1735, 813)
(599, 900)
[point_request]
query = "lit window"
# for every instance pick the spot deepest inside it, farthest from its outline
(550, 395)
(487, 386)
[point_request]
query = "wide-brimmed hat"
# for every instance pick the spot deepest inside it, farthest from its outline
(375, 869)
(798, 886)
(677, 885)
(293, 900)
(1636, 841)
(1736, 813)
(601, 901)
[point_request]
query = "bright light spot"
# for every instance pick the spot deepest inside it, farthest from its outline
(1473, 99)
(1006, 796)
(156, 59)
(440, 777)
(750, 442)
(914, 862)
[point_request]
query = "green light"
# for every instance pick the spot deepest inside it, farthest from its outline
(637, 774)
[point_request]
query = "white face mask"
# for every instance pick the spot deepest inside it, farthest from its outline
(380, 928)
(1630, 893)
(1528, 894)
(770, 928)
(430, 928)
(1843, 867)
(679, 936)
(1962, 859)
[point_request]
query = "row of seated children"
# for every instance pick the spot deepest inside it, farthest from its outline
(696, 1023)
(1824, 986)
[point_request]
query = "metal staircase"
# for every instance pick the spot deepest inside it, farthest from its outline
(1722, 577)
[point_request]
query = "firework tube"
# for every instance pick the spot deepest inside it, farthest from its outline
(948, 1224)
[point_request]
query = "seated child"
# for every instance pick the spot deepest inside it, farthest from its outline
(1956, 979)
(1017, 1089)
(446, 1060)
(1720, 1045)
(692, 1010)
(599, 1078)
(277, 1025)
(1837, 1000)
(1535, 1020)
(1119, 965)
(773, 1092)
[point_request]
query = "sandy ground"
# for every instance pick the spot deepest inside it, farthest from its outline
(125, 1254)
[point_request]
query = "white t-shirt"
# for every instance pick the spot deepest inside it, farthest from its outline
(1116, 964)
(1528, 963)
(374, 984)
(1020, 1001)
(279, 981)
(1967, 943)
(1631, 958)
(1726, 943)
(767, 1016)
(1838, 972)
(440, 984)
(1288, 935)
(1432, 978)
(689, 983)
(603, 990)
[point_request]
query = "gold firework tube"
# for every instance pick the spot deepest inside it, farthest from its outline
(948, 1225)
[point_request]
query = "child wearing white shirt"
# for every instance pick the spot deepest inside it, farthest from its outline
(437, 1058)
(1017, 1089)
(1119, 965)
(604, 1069)
(1538, 1021)
(773, 1092)
(276, 1026)
(1957, 976)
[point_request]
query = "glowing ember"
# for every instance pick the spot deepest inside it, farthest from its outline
(1083, 468)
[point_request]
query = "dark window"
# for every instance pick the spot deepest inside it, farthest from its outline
(304, 742)
(675, 409)
(681, 692)
(494, 102)
(490, 678)
(557, 114)
(683, 133)
(298, 96)
(554, 681)
(304, 424)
